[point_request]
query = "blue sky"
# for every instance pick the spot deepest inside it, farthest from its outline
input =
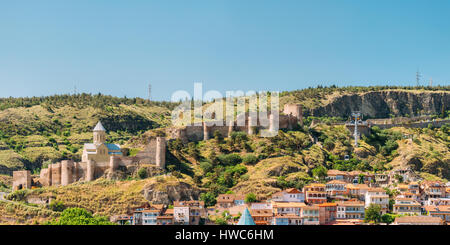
(118, 47)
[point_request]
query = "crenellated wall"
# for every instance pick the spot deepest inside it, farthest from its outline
(67, 171)
(291, 117)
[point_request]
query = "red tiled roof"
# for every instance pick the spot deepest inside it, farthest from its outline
(293, 190)
(328, 204)
(418, 219)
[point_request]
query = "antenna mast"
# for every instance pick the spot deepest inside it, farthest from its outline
(418, 76)
(149, 92)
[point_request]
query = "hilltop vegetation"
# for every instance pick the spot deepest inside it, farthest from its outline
(39, 129)
(36, 131)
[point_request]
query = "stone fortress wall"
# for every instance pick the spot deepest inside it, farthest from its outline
(291, 116)
(68, 171)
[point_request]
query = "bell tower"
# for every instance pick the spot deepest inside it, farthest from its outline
(99, 134)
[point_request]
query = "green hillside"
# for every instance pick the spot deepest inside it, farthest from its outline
(36, 131)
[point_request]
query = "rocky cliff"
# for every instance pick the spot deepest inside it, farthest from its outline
(382, 104)
(167, 193)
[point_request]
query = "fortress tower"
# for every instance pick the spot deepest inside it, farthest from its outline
(160, 156)
(295, 110)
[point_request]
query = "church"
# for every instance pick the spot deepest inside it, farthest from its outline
(99, 150)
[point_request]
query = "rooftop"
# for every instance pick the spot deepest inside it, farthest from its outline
(246, 218)
(418, 220)
(99, 127)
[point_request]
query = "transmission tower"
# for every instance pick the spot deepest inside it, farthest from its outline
(149, 92)
(418, 76)
(356, 116)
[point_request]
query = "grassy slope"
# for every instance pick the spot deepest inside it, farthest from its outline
(66, 125)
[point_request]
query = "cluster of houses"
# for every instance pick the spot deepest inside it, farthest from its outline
(342, 199)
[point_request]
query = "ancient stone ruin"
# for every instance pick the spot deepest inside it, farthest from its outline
(22, 180)
(100, 158)
(292, 116)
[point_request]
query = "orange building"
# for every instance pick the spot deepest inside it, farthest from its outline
(315, 193)
(327, 213)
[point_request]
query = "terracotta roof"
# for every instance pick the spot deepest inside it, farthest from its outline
(357, 186)
(315, 185)
(311, 207)
(350, 203)
(404, 199)
(356, 173)
(328, 204)
(336, 182)
(418, 219)
(336, 172)
(280, 193)
(376, 190)
(188, 203)
(225, 198)
(288, 204)
(432, 183)
(381, 196)
(293, 191)
(442, 208)
(287, 216)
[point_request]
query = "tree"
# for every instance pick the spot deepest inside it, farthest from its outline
(209, 198)
(251, 197)
(221, 221)
(320, 172)
(79, 216)
(399, 178)
(373, 213)
(388, 218)
(361, 178)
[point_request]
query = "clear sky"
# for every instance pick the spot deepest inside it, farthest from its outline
(118, 47)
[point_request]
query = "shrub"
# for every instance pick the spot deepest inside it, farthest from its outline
(142, 173)
(249, 159)
(79, 216)
(177, 174)
(57, 206)
(230, 159)
(251, 197)
(17, 196)
(328, 144)
(206, 167)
